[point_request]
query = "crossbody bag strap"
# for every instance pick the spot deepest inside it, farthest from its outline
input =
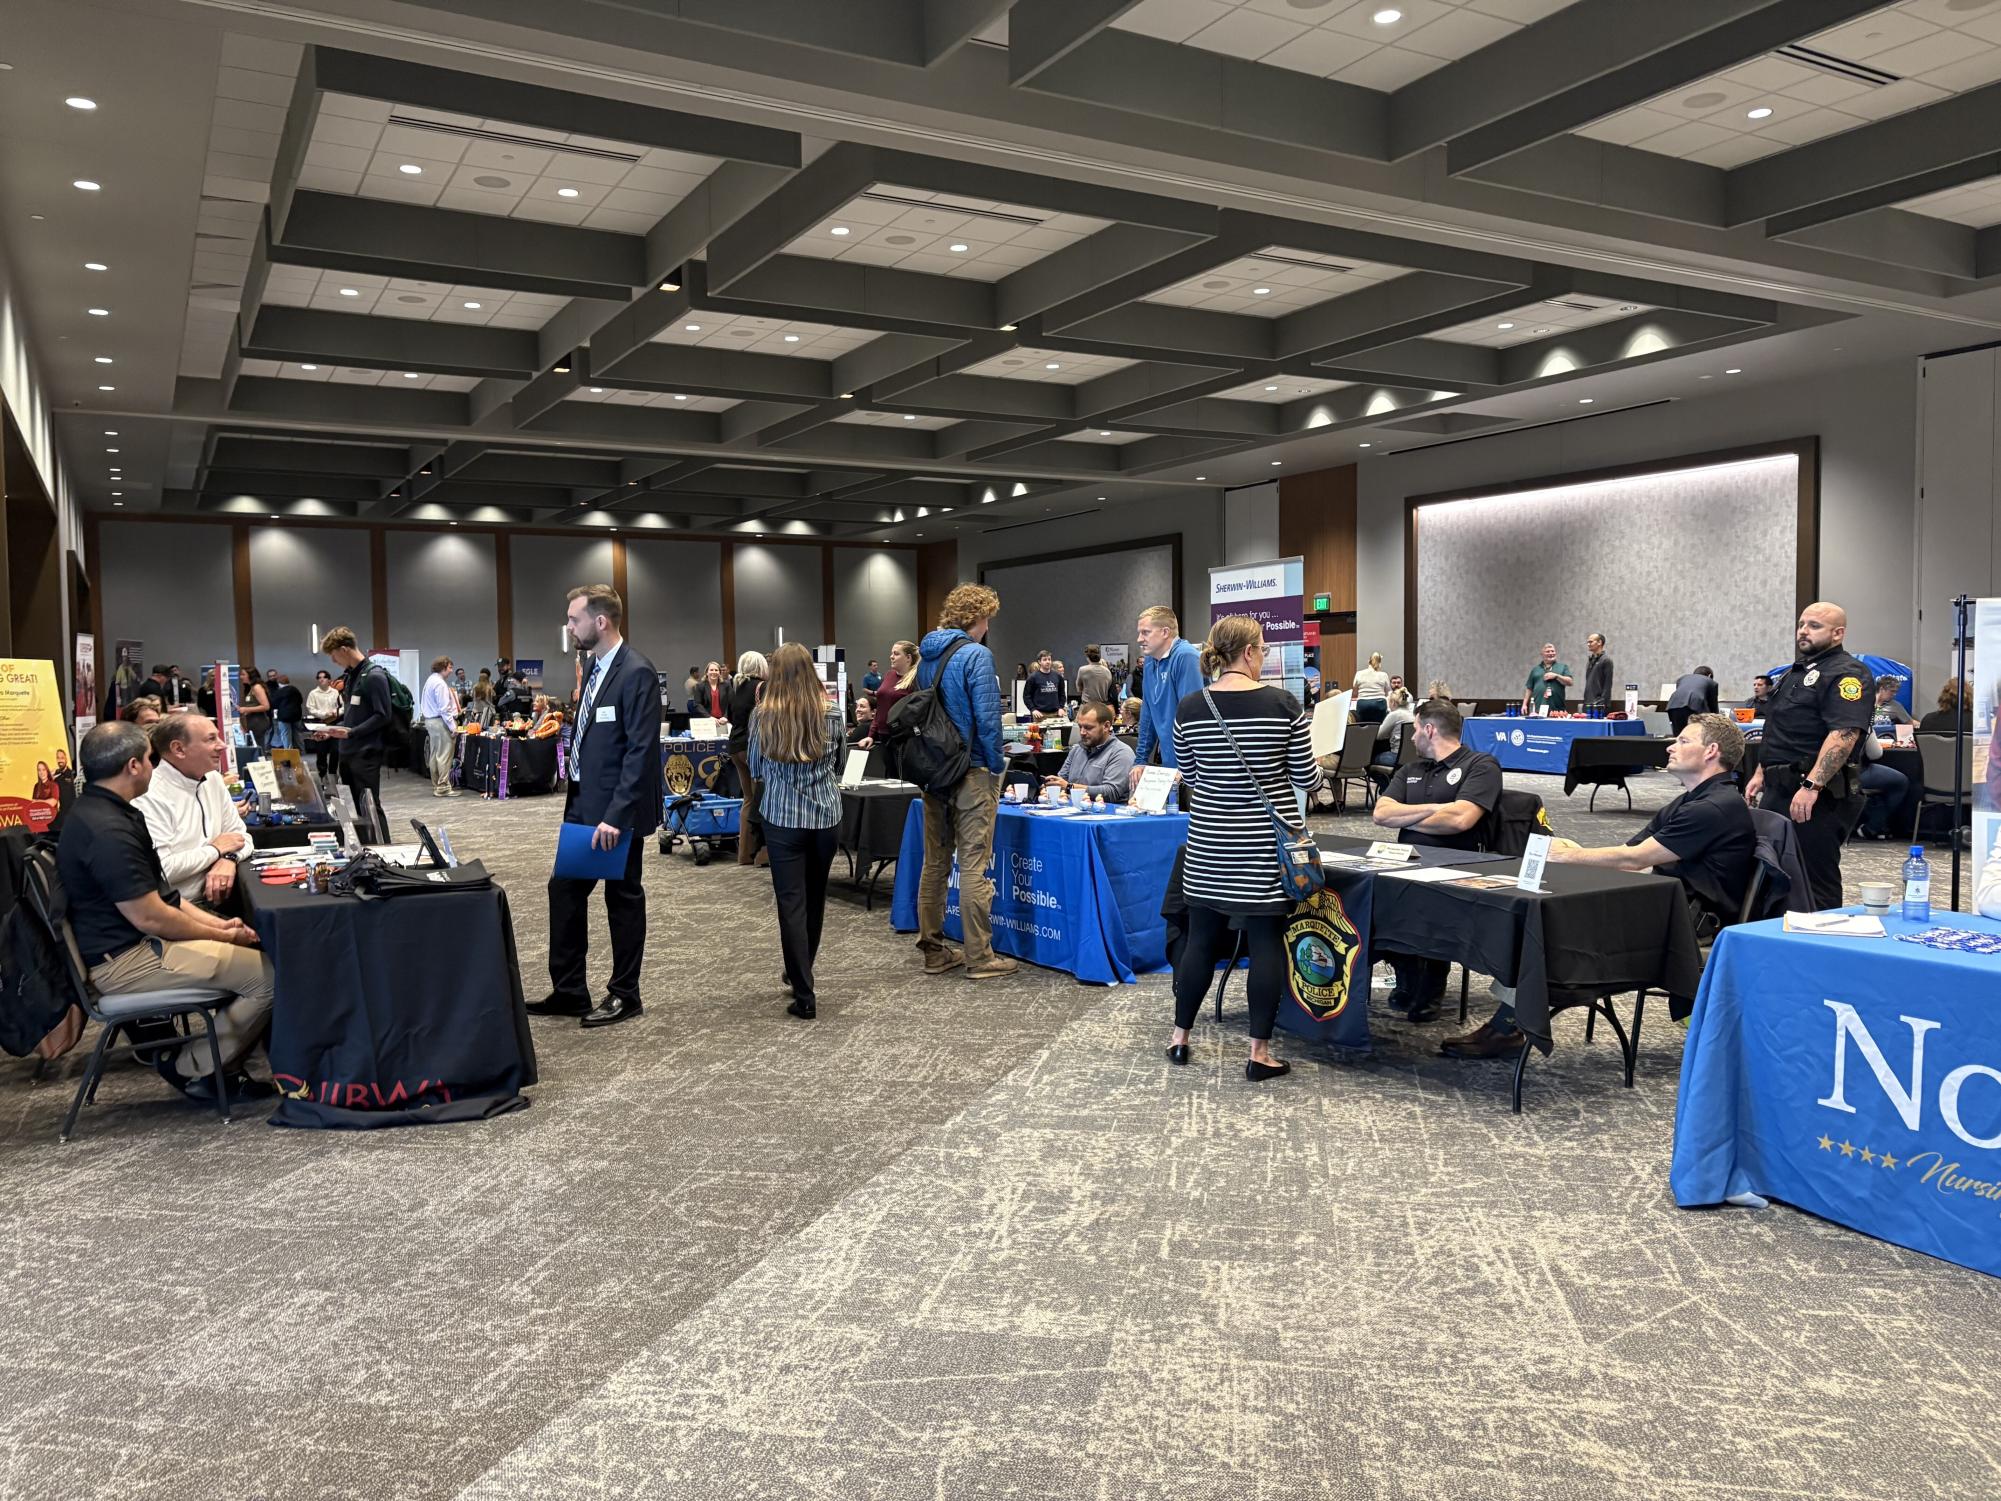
(1237, 751)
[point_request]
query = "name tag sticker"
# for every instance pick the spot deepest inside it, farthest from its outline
(606, 714)
(355, 700)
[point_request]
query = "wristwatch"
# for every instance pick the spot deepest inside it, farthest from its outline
(1808, 784)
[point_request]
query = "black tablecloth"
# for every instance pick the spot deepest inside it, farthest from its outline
(1043, 763)
(1589, 930)
(872, 821)
(404, 1011)
(531, 764)
(286, 836)
(1607, 760)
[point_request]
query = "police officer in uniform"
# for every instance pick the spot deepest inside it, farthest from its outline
(1814, 721)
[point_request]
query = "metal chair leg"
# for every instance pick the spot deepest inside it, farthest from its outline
(1521, 1063)
(1591, 1024)
(1465, 980)
(221, 1080)
(88, 1084)
(1223, 983)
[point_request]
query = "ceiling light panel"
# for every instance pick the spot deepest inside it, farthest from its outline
(1976, 204)
(1290, 388)
(397, 297)
(360, 146)
(816, 341)
(343, 375)
(1297, 279)
(1540, 320)
(1033, 364)
(914, 230)
(681, 402)
(1339, 38)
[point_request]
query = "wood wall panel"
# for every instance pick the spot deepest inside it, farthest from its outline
(1316, 522)
(937, 572)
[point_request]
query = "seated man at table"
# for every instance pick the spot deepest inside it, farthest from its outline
(1441, 797)
(1098, 762)
(1704, 838)
(195, 827)
(133, 930)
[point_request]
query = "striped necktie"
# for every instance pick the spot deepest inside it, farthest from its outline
(584, 713)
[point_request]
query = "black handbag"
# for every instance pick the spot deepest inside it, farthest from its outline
(1299, 869)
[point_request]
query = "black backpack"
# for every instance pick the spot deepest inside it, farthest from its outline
(34, 990)
(934, 752)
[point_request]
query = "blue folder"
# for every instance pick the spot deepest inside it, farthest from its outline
(577, 861)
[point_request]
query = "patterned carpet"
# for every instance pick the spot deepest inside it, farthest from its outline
(953, 1245)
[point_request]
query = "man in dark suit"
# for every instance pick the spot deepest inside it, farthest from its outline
(614, 784)
(1694, 693)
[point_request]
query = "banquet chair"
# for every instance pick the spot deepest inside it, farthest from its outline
(115, 1012)
(1357, 747)
(1937, 755)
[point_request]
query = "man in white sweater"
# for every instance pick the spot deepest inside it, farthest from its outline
(196, 829)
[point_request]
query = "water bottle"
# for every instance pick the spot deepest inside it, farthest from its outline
(1917, 887)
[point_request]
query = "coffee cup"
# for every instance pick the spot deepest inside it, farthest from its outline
(1876, 895)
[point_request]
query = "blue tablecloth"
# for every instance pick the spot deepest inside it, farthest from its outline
(1080, 894)
(1856, 1078)
(1522, 744)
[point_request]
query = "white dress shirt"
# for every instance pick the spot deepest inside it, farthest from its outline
(182, 816)
(439, 700)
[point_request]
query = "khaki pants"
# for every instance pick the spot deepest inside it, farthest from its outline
(438, 742)
(154, 964)
(961, 824)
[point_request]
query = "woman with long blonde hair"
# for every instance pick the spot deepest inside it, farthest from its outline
(796, 738)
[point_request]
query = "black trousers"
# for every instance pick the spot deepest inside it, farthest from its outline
(326, 757)
(569, 930)
(1820, 837)
(1212, 940)
(800, 860)
(1678, 719)
(361, 774)
(1371, 710)
(1423, 980)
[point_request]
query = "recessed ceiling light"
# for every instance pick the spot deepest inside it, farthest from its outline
(680, 398)
(1274, 463)
(1585, 401)
(410, 375)
(958, 250)
(411, 169)
(349, 292)
(111, 450)
(1368, 445)
(562, 369)
(1260, 291)
(1734, 370)
(1104, 432)
(118, 502)
(1007, 328)
(98, 312)
(597, 390)
(670, 285)
(95, 266)
(107, 388)
(838, 229)
(1387, 17)
(1271, 388)
(1504, 325)
(309, 367)
(907, 417)
(1052, 365)
(847, 396)
(693, 328)
(473, 305)
(77, 101)
(102, 359)
(454, 523)
(86, 184)
(566, 192)
(109, 433)
(792, 338)
(1762, 112)
(1201, 476)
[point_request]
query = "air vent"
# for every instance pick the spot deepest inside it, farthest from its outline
(1573, 306)
(1839, 67)
(502, 138)
(1296, 260)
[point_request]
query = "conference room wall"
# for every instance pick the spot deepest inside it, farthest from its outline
(170, 586)
(545, 570)
(1250, 524)
(443, 597)
(1864, 417)
(1065, 603)
(675, 596)
(875, 604)
(302, 577)
(777, 587)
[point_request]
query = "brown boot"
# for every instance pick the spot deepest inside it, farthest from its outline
(943, 961)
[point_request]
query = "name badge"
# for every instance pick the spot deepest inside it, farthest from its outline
(606, 714)
(356, 700)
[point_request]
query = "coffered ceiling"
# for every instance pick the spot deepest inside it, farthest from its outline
(849, 269)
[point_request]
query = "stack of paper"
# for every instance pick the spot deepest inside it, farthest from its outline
(1835, 924)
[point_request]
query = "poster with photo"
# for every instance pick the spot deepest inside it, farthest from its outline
(83, 683)
(128, 673)
(36, 776)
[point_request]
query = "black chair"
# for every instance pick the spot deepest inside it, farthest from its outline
(1401, 751)
(1357, 747)
(1937, 754)
(114, 1013)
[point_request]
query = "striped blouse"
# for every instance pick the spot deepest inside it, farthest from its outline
(801, 794)
(1231, 863)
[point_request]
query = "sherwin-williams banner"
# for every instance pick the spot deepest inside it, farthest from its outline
(36, 778)
(1270, 594)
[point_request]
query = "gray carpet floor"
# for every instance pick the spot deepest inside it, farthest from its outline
(953, 1241)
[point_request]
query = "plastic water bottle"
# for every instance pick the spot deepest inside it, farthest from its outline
(1917, 887)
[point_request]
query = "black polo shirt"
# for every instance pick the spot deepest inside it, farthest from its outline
(1829, 692)
(105, 857)
(1709, 832)
(1467, 775)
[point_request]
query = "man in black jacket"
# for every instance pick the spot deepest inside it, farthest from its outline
(614, 785)
(363, 731)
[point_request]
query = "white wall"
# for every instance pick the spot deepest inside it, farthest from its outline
(1250, 524)
(301, 577)
(875, 604)
(172, 586)
(777, 587)
(443, 598)
(674, 603)
(545, 570)
(1864, 417)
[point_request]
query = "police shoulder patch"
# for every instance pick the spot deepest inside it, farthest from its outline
(1851, 689)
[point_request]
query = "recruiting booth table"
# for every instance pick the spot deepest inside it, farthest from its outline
(1522, 743)
(507, 765)
(405, 1010)
(1856, 1078)
(873, 816)
(1077, 892)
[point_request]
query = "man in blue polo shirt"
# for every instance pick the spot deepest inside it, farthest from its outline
(1171, 670)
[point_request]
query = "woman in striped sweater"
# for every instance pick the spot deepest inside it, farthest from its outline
(1230, 870)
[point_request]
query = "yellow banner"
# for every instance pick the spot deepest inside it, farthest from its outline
(36, 777)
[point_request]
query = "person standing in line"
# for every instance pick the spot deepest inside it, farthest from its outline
(1243, 747)
(795, 743)
(362, 732)
(614, 787)
(1094, 679)
(1694, 693)
(745, 690)
(439, 709)
(1547, 681)
(959, 820)
(1170, 670)
(1598, 674)
(1372, 691)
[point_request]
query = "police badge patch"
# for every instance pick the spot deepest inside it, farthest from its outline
(1851, 689)
(1324, 947)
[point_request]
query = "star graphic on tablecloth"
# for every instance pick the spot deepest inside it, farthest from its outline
(1868, 1156)
(1847, 1149)
(1826, 1142)
(1886, 1160)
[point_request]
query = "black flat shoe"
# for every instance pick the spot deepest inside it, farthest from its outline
(1178, 1053)
(1258, 1072)
(804, 1010)
(612, 1012)
(559, 1005)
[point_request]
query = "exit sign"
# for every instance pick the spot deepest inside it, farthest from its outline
(1323, 604)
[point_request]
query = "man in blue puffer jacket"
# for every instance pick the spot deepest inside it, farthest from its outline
(1171, 669)
(961, 822)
